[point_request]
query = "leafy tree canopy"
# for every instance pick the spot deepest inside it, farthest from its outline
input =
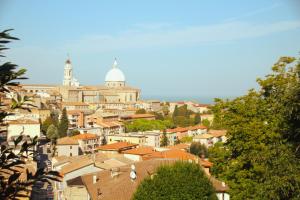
(182, 180)
(147, 125)
(199, 149)
(262, 151)
(141, 111)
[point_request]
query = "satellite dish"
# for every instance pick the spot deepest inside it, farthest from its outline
(133, 175)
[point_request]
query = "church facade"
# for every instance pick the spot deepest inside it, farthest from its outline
(114, 90)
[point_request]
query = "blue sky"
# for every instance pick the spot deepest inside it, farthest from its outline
(166, 48)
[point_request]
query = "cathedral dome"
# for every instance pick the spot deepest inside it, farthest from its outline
(115, 74)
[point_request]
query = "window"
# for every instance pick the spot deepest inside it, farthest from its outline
(70, 147)
(71, 154)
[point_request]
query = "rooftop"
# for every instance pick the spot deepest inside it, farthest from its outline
(217, 133)
(140, 151)
(67, 141)
(23, 121)
(121, 187)
(118, 146)
(85, 136)
(203, 136)
(173, 154)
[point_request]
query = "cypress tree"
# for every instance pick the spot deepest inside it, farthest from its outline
(164, 141)
(197, 118)
(63, 124)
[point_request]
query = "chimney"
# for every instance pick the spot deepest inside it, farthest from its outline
(94, 179)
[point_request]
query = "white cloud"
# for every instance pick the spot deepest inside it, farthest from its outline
(162, 36)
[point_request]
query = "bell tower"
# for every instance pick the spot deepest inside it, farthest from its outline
(68, 73)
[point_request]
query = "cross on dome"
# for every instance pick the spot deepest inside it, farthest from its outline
(115, 63)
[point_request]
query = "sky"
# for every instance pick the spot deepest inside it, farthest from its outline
(167, 48)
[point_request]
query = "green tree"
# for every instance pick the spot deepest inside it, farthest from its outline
(218, 155)
(54, 118)
(186, 139)
(147, 125)
(13, 159)
(52, 132)
(175, 112)
(198, 149)
(164, 140)
(261, 150)
(205, 122)
(141, 111)
(159, 116)
(63, 124)
(45, 124)
(197, 119)
(74, 132)
(182, 180)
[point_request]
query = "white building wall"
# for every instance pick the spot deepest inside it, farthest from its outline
(152, 140)
(26, 129)
(223, 196)
(66, 150)
(133, 157)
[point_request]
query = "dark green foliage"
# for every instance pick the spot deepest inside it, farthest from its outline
(164, 140)
(103, 140)
(197, 119)
(186, 139)
(183, 121)
(141, 111)
(260, 158)
(199, 149)
(182, 180)
(218, 155)
(74, 132)
(147, 125)
(12, 159)
(54, 118)
(159, 116)
(175, 112)
(63, 124)
(182, 116)
(205, 122)
(52, 132)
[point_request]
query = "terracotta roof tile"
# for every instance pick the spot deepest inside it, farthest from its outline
(179, 146)
(118, 146)
(23, 121)
(203, 136)
(121, 187)
(85, 136)
(173, 153)
(140, 151)
(67, 141)
(217, 133)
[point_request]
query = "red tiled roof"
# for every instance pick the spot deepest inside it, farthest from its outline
(67, 141)
(85, 136)
(138, 116)
(23, 121)
(217, 133)
(179, 146)
(173, 153)
(74, 104)
(118, 146)
(197, 127)
(109, 124)
(140, 151)
(175, 130)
